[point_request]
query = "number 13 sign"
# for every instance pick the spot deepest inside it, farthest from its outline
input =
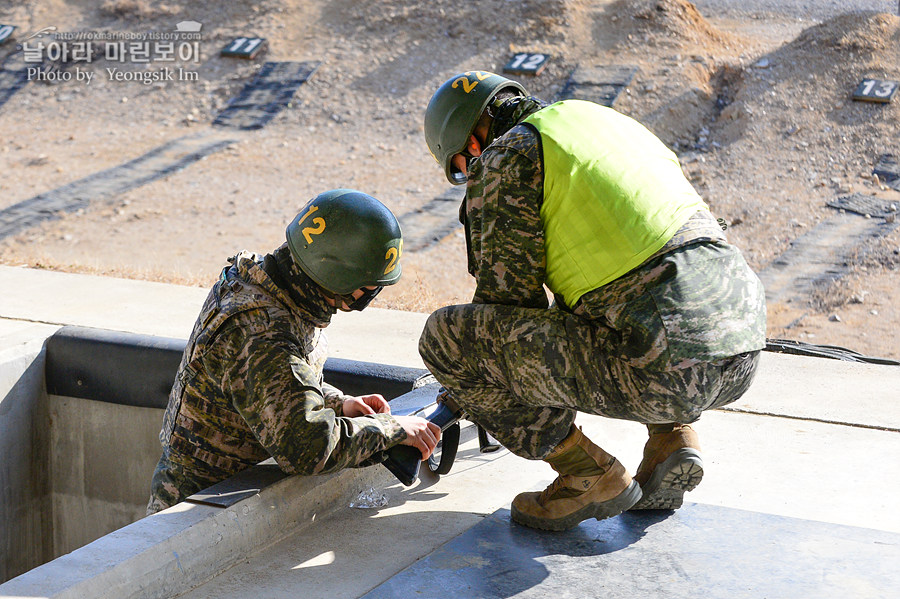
(873, 90)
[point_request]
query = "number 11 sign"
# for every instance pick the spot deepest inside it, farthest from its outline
(244, 47)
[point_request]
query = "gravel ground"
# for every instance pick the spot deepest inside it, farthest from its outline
(819, 10)
(753, 95)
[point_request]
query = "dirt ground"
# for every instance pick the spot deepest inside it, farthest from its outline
(758, 109)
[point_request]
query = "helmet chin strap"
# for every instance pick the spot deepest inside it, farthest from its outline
(365, 299)
(352, 303)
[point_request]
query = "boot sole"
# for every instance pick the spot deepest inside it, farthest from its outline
(602, 510)
(681, 472)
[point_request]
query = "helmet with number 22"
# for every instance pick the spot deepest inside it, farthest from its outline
(454, 111)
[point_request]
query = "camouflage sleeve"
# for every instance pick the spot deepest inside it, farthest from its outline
(503, 214)
(334, 398)
(278, 394)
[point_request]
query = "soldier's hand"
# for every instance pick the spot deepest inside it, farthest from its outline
(364, 405)
(420, 433)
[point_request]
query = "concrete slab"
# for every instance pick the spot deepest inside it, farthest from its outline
(353, 551)
(812, 440)
(101, 302)
(808, 471)
(18, 332)
(825, 390)
(22, 339)
(697, 551)
(24, 446)
(375, 335)
(801, 469)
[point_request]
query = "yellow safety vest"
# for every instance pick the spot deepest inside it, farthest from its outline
(614, 194)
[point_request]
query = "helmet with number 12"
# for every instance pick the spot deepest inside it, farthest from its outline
(345, 240)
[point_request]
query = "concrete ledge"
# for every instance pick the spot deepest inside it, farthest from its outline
(824, 390)
(810, 471)
(102, 302)
(48, 297)
(180, 548)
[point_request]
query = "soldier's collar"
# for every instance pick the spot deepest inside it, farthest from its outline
(510, 113)
(304, 292)
(295, 288)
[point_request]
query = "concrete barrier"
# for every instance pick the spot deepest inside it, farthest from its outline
(24, 448)
(179, 548)
(79, 420)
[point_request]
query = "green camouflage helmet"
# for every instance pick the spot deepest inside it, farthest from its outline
(344, 240)
(454, 111)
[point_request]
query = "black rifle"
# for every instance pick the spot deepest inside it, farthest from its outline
(427, 402)
(433, 404)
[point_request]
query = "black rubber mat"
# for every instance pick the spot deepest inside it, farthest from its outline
(888, 170)
(13, 76)
(132, 369)
(698, 551)
(242, 485)
(820, 256)
(867, 205)
(266, 95)
(426, 226)
(601, 84)
(104, 185)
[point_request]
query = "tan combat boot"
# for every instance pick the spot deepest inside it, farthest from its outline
(591, 484)
(671, 466)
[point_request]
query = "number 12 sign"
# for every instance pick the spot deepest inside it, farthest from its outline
(526, 63)
(874, 90)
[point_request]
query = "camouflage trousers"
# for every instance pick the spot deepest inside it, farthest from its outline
(172, 482)
(522, 374)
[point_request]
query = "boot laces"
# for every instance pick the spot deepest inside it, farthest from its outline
(560, 487)
(551, 490)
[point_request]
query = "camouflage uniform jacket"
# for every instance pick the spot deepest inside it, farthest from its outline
(656, 316)
(250, 384)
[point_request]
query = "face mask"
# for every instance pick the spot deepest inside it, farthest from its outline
(365, 299)
(356, 304)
